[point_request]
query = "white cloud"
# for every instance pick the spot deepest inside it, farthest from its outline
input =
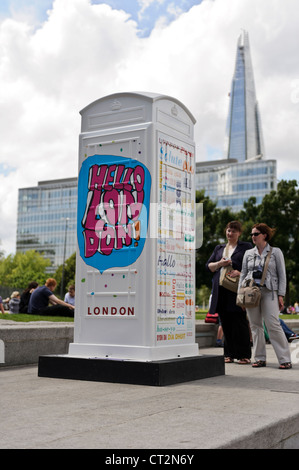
(84, 52)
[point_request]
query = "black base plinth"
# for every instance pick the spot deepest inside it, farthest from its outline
(158, 373)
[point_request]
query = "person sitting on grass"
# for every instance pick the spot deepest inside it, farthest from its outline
(43, 295)
(25, 297)
(69, 297)
(14, 302)
(1, 306)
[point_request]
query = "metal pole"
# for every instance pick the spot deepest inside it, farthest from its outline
(64, 252)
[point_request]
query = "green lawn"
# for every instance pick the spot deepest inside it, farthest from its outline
(24, 317)
(289, 317)
(201, 315)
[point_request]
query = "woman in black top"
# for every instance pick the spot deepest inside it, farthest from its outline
(233, 318)
(25, 297)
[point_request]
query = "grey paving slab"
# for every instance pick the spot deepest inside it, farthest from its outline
(245, 408)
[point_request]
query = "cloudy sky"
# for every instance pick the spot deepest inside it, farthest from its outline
(57, 56)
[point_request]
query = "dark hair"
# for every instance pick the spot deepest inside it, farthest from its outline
(235, 224)
(32, 285)
(263, 228)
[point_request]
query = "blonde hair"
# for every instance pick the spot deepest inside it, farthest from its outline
(15, 294)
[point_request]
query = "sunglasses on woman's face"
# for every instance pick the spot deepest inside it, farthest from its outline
(255, 234)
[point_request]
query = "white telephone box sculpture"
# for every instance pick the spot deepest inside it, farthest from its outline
(135, 269)
(135, 274)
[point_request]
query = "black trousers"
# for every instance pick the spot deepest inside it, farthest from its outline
(57, 310)
(235, 326)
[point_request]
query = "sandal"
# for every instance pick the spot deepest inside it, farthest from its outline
(285, 365)
(259, 364)
(228, 360)
(244, 361)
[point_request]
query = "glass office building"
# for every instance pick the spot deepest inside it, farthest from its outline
(230, 183)
(47, 219)
(244, 172)
(244, 133)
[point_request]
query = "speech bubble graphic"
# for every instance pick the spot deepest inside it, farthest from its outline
(113, 210)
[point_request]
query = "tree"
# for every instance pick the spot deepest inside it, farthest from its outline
(280, 210)
(69, 273)
(214, 223)
(203, 296)
(22, 268)
(248, 217)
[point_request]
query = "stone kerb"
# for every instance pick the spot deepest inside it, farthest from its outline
(23, 344)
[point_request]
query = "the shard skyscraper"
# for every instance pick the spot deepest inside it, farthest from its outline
(244, 132)
(244, 171)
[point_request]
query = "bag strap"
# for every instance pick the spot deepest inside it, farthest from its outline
(266, 267)
(223, 270)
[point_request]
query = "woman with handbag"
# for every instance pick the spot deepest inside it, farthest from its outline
(272, 293)
(225, 263)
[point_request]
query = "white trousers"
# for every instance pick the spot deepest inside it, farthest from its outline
(268, 310)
